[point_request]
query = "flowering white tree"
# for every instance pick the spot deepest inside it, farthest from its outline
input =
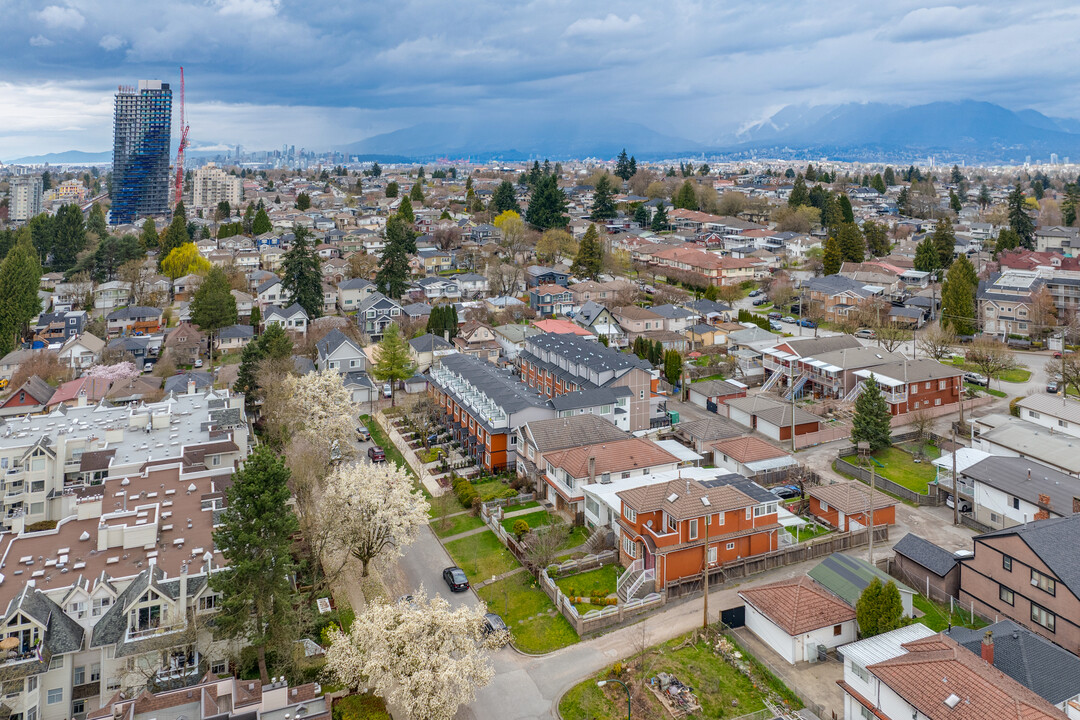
(323, 408)
(367, 510)
(113, 373)
(423, 657)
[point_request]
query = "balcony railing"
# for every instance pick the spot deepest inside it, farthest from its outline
(152, 631)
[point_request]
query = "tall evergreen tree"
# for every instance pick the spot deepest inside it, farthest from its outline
(799, 194)
(641, 215)
(958, 297)
(547, 205)
(1006, 240)
(392, 189)
(659, 218)
(984, 197)
(394, 261)
(255, 317)
(944, 242)
(673, 364)
(393, 362)
(43, 235)
(877, 238)
(405, 210)
(832, 257)
(1069, 204)
(633, 166)
(622, 166)
(954, 202)
(213, 307)
(590, 255)
(603, 207)
(852, 244)
(261, 224)
(504, 198)
(685, 198)
(303, 201)
(256, 536)
(902, 202)
(416, 193)
(70, 236)
(301, 273)
(249, 219)
(175, 235)
(927, 258)
(95, 223)
(872, 420)
(20, 275)
(845, 208)
(878, 183)
(889, 177)
(1019, 220)
(149, 235)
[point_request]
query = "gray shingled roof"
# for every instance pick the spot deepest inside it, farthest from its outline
(562, 433)
(1026, 479)
(236, 331)
(429, 342)
(1055, 542)
(1051, 672)
(590, 398)
(935, 559)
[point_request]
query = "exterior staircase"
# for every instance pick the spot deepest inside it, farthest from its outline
(855, 392)
(797, 386)
(636, 582)
(772, 381)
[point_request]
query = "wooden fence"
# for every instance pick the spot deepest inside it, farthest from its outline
(791, 555)
(907, 494)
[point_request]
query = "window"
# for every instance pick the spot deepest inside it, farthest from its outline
(37, 508)
(31, 714)
(77, 609)
(99, 606)
(837, 630)
(860, 672)
(1062, 423)
(95, 672)
(1005, 595)
(55, 695)
(1006, 560)
(1043, 617)
(866, 713)
(78, 707)
(824, 506)
(730, 546)
(1033, 414)
(1044, 582)
(672, 524)
(31, 683)
(629, 547)
(78, 675)
(712, 555)
(995, 518)
(112, 683)
(209, 602)
(941, 384)
(220, 668)
(1016, 503)
(915, 389)
(630, 514)
(57, 662)
(693, 529)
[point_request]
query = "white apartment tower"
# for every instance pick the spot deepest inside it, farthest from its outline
(213, 185)
(25, 197)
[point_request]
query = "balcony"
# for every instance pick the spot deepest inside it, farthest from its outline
(153, 631)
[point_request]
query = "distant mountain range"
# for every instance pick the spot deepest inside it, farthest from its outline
(963, 131)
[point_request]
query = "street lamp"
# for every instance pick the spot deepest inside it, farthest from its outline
(602, 683)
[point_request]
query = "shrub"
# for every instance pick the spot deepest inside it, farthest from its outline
(521, 529)
(41, 525)
(1013, 409)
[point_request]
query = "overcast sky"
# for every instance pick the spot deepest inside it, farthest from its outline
(316, 74)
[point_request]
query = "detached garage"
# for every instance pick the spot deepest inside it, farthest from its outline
(795, 617)
(771, 418)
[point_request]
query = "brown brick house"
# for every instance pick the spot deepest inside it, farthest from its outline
(1030, 574)
(910, 385)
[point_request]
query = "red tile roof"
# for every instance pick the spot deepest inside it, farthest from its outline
(798, 605)
(748, 449)
(617, 456)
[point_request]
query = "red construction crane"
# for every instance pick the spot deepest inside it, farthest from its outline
(183, 144)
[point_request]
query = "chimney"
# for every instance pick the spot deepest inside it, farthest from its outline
(183, 587)
(446, 335)
(1076, 505)
(191, 386)
(987, 647)
(1044, 507)
(592, 469)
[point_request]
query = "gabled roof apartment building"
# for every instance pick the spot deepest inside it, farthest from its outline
(559, 364)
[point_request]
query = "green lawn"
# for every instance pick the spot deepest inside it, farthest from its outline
(535, 625)
(578, 535)
(807, 532)
(603, 579)
(490, 488)
(1016, 375)
(534, 519)
(457, 524)
(901, 468)
(988, 391)
(936, 615)
(445, 504)
(522, 506)
(849, 476)
(228, 359)
(481, 556)
(379, 438)
(722, 691)
(718, 376)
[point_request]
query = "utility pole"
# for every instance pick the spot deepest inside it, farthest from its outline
(705, 617)
(873, 482)
(955, 484)
(791, 387)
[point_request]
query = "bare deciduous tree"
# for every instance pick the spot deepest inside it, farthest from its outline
(892, 335)
(937, 342)
(991, 357)
(543, 544)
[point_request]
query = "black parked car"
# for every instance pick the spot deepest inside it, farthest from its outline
(455, 578)
(493, 623)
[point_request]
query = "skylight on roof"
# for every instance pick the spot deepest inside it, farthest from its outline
(705, 501)
(672, 497)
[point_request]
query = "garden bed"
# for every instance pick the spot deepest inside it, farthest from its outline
(360, 707)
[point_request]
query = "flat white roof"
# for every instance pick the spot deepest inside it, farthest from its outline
(965, 458)
(607, 492)
(679, 450)
(885, 646)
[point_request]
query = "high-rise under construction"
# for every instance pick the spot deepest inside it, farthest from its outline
(142, 126)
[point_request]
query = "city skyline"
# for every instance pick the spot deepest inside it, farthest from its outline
(264, 72)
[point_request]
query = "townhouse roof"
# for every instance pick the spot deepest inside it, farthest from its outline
(856, 357)
(708, 429)
(1049, 670)
(133, 312)
(772, 411)
(1055, 541)
(798, 605)
(849, 497)
(561, 433)
(429, 342)
(1026, 479)
(94, 388)
(748, 449)
(594, 355)
(516, 333)
(504, 390)
(560, 327)
(936, 669)
(934, 558)
(685, 499)
(594, 397)
(847, 577)
(611, 457)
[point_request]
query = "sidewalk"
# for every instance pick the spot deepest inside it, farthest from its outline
(467, 533)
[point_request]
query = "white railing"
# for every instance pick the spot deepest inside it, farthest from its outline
(855, 392)
(649, 574)
(772, 381)
(635, 567)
